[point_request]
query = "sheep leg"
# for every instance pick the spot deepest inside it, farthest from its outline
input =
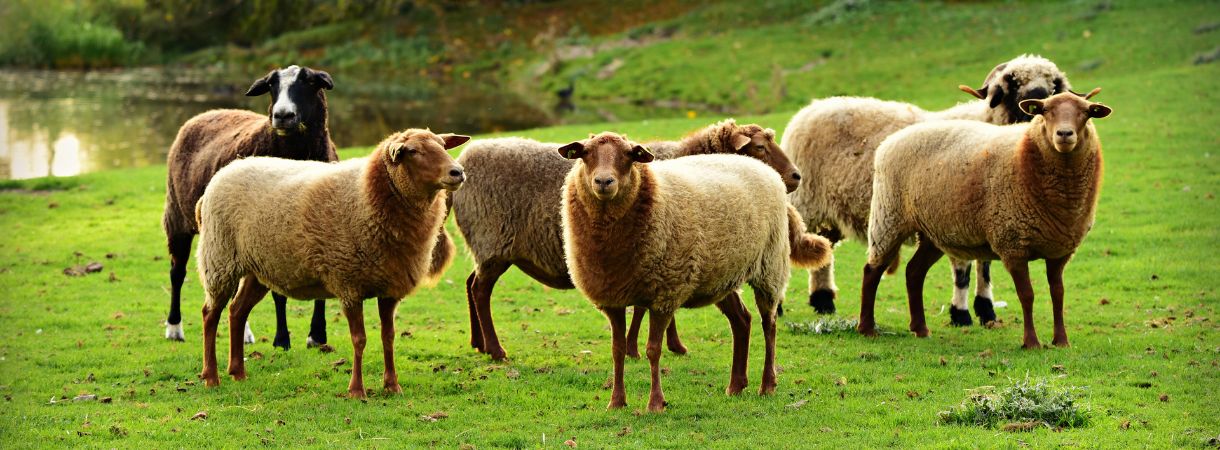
(984, 303)
(766, 302)
(822, 289)
(282, 339)
(476, 332)
(217, 298)
(249, 293)
(618, 322)
(917, 271)
(1054, 277)
(317, 326)
(672, 342)
(633, 334)
(739, 322)
(879, 257)
(1019, 269)
(485, 281)
(354, 311)
(385, 308)
(657, 323)
(179, 253)
(959, 313)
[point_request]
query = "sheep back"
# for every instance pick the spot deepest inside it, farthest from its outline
(701, 226)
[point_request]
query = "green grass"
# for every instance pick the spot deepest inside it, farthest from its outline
(1141, 302)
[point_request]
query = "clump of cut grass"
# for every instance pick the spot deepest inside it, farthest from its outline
(1025, 405)
(824, 325)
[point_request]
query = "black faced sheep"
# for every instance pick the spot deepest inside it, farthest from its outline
(295, 127)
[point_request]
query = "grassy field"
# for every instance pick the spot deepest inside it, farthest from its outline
(1141, 309)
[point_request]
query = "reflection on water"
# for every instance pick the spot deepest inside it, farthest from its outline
(63, 124)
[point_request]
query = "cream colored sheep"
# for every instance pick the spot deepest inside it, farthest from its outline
(682, 233)
(509, 211)
(832, 142)
(979, 191)
(360, 228)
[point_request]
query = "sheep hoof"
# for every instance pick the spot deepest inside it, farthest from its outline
(921, 332)
(735, 387)
(867, 330)
(1061, 342)
(677, 348)
(767, 388)
(240, 376)
(173, 332)
(1032, 344)
(210, 380)
(498, 354)
(822, 301)
(310, 342)
(282, 341)
(633, 352)
(393, 388)
(657, 405)
(961, 317)
(356, 394)
(984, 309)
(617, 403)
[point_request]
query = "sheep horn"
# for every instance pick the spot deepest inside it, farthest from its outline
(1087, 96)
(975, 92)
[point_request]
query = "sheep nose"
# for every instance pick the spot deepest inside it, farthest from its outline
(1065, 133)
(1037, 93)
(603, 182)
(455, 172)
(284, 115)
(796, 176)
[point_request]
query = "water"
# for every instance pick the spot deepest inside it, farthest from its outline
(68, 123)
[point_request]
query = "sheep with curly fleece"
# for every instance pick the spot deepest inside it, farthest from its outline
(681, 233)
(832, 142)
(978, 191)
(509, 211)
(362, 228)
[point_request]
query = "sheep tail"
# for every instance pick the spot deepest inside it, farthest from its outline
(442, 253)
(809, 251)
(893, 267)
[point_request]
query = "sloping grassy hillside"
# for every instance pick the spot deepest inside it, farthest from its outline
(1141, 297)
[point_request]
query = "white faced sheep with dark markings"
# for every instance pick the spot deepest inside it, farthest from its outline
(295, 127)
(361, 228)
(979, 191)
(681, 233)
(832, 142)
(509, 212)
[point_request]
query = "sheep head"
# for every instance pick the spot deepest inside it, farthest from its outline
(607, 163)
(759, 143)
(418, 162)
(1065, 119)
(297, 97)
(1023, 78)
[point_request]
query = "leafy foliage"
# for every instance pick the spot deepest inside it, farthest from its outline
(1027, 400)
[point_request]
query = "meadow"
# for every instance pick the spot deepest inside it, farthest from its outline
(1141, 306)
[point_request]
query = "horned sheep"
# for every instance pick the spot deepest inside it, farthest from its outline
(359, 229)
(509, 212)
(295, 127)
(680, 233)
(833, 140)
(978, 191)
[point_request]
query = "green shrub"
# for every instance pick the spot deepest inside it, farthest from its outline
(1026, 402)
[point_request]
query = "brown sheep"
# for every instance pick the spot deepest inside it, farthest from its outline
(680, 233)
(509, 211)
(361, 228)
(833, 141)
(984, 192)
(295, 127)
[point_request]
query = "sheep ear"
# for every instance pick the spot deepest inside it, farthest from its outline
(997, 96)
(1098, 110)
(641, 154)
(321, 79)
(453, 140)
(394, 151)
(739, 142)
(1031, 107)
(261, 86)
(980, 93)
(574, 150)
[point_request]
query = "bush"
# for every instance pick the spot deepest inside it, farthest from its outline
(1022, 406)
(61, 35)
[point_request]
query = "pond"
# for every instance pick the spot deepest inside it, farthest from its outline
(68, 123)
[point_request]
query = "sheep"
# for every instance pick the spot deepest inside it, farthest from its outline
(509, 211)
(361, 228)
(832, 141)
(979, 191)
(295, 127)
(681, 233)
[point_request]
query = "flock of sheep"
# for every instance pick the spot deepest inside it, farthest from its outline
(654, 226)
